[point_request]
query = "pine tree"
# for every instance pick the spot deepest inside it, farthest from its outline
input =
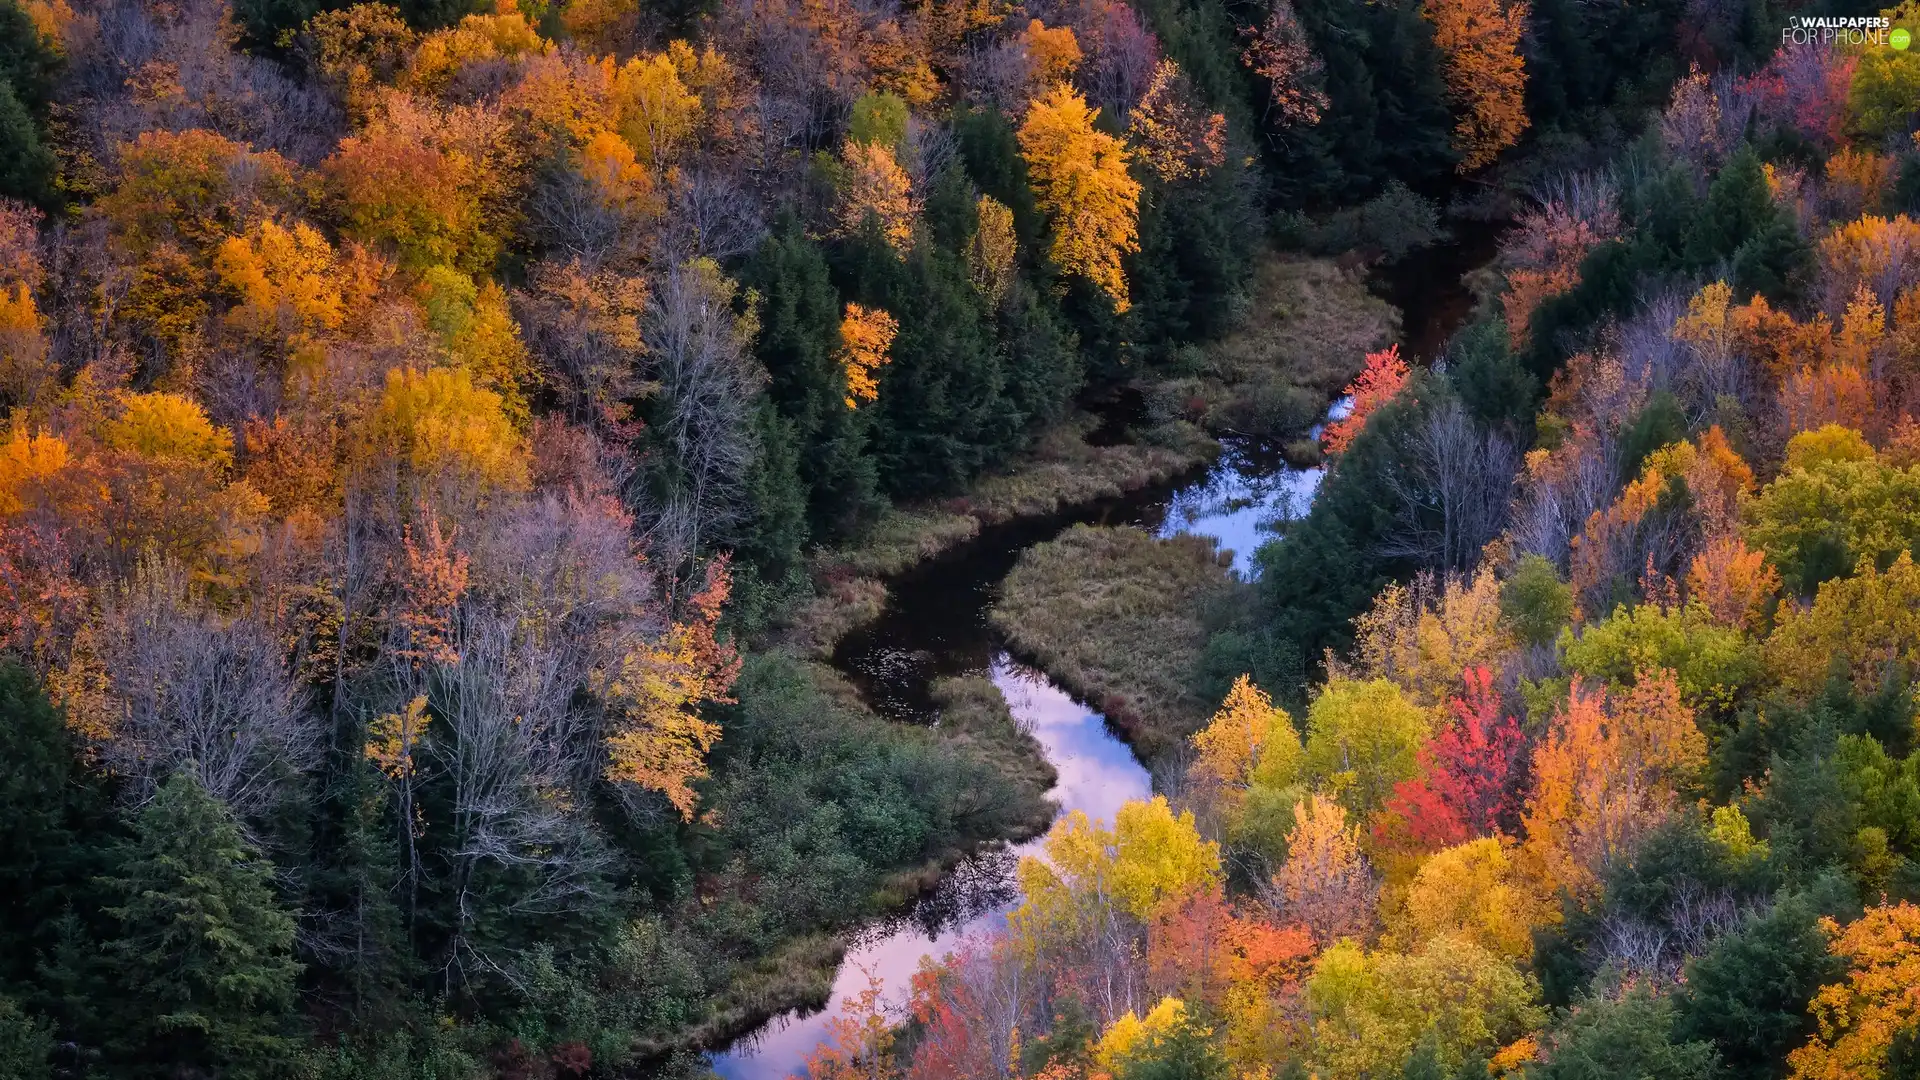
(799, 340)
(56, 824)
(201, 972)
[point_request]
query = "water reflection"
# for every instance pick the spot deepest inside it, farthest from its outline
(1097, 773)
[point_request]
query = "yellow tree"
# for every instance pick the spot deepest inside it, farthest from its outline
(992, 248)
(1869, 621)
(876, 184)
(865, 336)
(1325, 885)
(1080, 176)
(1861, 1018)
(1473, 892)
(1485, 74)
(1362, 739)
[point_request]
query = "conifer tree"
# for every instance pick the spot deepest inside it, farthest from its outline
(203, 961)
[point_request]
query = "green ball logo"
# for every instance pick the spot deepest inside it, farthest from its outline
(1900, 39)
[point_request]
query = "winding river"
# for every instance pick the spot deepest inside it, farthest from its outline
(935, 624)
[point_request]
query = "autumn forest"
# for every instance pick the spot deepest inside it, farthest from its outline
(553, 539)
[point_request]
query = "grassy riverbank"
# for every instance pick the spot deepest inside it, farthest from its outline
(1114, 616)
(1309, 326)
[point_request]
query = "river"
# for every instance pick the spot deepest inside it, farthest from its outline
(935, 624)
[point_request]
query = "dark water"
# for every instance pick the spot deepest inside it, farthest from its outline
(935, 625)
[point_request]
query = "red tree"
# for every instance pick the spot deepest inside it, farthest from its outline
(1467, 785)
(1376, 385)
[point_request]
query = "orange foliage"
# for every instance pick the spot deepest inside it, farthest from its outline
(1053, 52)
(1080, 179)
(1382, 377)
(1731, 580)
(1861, 1018)
(859, 1043)
(1609, 770)
(431, 579)
(865, 336)
(1279, 52)
(1485, 75)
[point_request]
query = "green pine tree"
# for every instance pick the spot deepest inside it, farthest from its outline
(202, 968)
(58, 825)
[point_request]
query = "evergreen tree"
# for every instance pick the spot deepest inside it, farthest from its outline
(1748, 994)
(26, 165)
(200, 975)
(26, 1044)
(799, 342)
(57, 825)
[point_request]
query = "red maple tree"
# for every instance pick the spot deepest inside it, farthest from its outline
(1467, 786)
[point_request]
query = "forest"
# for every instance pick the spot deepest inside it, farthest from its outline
(447, 441)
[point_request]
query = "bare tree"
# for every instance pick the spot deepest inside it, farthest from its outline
(1451, 489)
(707, 377)
(179, 686)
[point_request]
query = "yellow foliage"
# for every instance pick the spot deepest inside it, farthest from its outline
(1132, 1032)
(865, 336)
(392, 737)
(443, 54)
(1149, 862)
(169, 427)
(1248, 736)
(991, 250)
(1868, 621)
(1475, 892)
(1080, 177)
(437, 421)
(287, 280)
(27, 457)
(1422, 638)
(661, 740)
(654, 110)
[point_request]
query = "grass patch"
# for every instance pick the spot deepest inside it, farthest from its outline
(1063, 470)
(1309, 327)
(1115, 616)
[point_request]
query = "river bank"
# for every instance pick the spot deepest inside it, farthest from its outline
(906, 611)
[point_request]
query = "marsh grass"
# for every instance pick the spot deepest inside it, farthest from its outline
(1115, 616)
(1309, 326)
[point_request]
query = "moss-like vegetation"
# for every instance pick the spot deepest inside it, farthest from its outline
(1115, 616)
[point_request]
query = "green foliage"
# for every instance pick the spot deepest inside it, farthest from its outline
(1534, 602)
(26, 165)
(1629, 1036)
(878, 117)
(1748, 994)
(799, 338)
(1885, 92)
(1362, 739)
(201, 968)
(1716, 664)
(1659, 423)
(58, 826)
(1387, 117)
(1182, 1051)
(1819, 518)
(26, 1044)
(1496, 389)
